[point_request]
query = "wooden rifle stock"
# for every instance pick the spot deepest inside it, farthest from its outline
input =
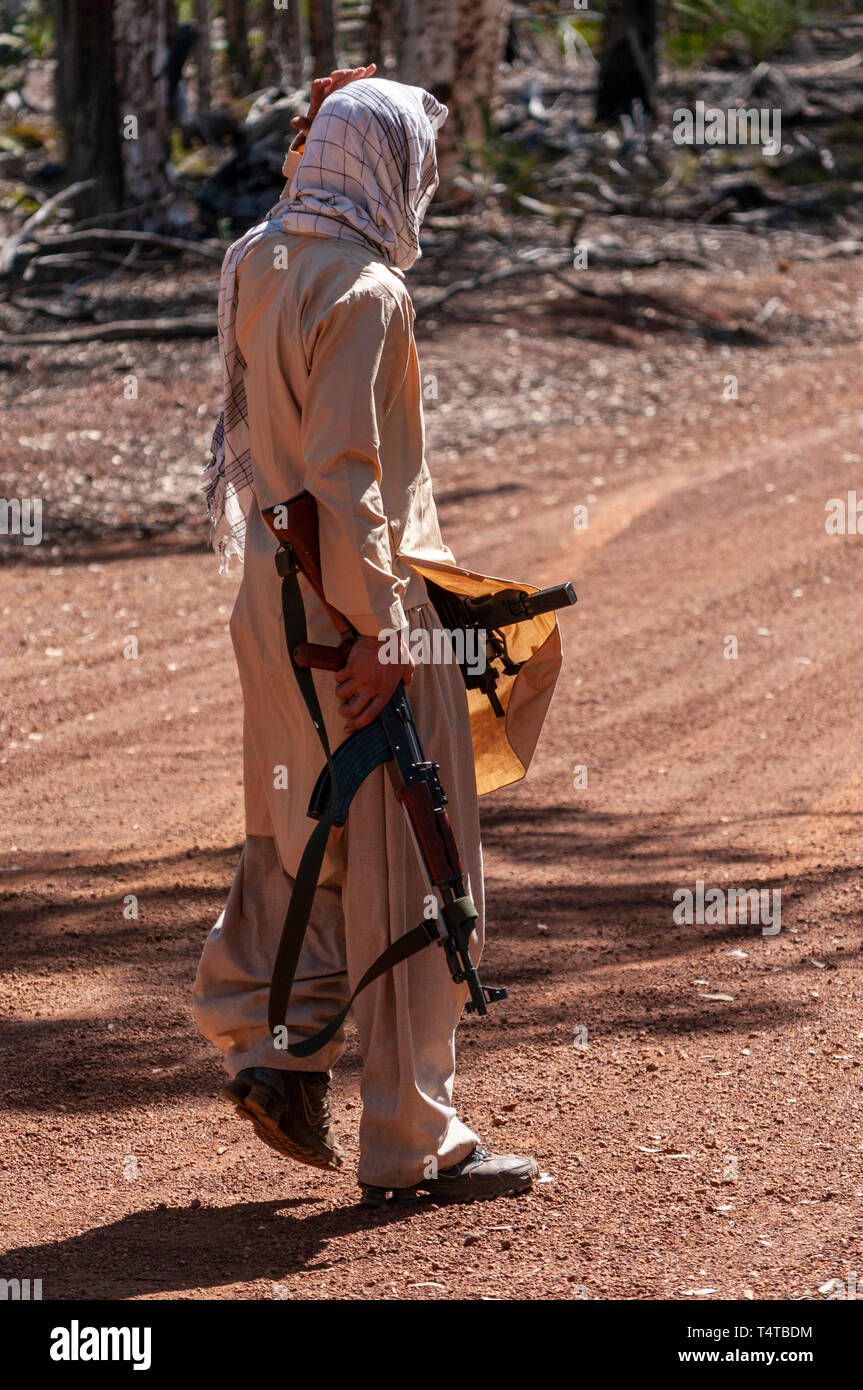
(295, 526)
(320, 658)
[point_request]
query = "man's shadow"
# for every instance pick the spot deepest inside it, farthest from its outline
(169, 1249)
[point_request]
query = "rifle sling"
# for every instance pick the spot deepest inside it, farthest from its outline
(306, 882)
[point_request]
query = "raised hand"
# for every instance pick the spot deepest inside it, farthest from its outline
(323, 86)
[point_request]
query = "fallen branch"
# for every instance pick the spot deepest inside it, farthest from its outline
(537, 265)
(837, 248)
(489, 277)
(122, 236)
(134, 210)
(80, 259)
(10, 247)
(35, 306)
(120, 331)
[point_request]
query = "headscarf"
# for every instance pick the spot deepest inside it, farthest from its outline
(367, 174)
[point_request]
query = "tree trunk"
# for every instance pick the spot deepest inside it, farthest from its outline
(239, 58)
(86, 100)
(628, 64)
(453, 48)
(283, 33)
(425, 51)
(268, 72)
(172, 22)
(322, 36)
(139, 64)
(374, 36)
(382, 16)
(293, 41)
(203, 58)
(480, 39)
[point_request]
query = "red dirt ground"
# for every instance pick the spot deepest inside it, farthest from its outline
(698, 1147)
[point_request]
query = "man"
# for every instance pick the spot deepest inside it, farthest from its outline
(323, 393)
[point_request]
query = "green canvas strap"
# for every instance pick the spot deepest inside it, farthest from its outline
(308, 873)
(399, 950)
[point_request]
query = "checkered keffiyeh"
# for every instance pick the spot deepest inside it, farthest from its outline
(367, 174)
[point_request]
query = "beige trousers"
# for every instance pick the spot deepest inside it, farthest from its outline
(374, 891)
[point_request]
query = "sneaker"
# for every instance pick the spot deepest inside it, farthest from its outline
(480, 1175)
(290, 1111)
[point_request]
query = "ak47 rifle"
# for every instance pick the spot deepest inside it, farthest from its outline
(391, 739)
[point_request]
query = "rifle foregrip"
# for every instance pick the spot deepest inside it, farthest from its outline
(433, 832)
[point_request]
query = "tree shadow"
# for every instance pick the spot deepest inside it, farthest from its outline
(97, 542)
(617, 319)
(50, 928)
(171, 1249)
(102, 1056)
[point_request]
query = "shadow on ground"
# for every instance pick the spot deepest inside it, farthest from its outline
(171, 1249)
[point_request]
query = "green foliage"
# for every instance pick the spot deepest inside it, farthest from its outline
(591, 32)
(29, 35)
(763, 27)
(22, 200)
(685, 165)
(510, 169)
(196, 164)
(177, 151)
(687, 48)
(26, 137)
(588, 29)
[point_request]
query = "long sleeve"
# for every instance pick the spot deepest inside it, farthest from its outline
(359, 357)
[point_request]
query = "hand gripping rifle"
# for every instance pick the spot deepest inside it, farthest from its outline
(391, 739)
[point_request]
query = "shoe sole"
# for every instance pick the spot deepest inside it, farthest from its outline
(242, 1096)
(481, 1191)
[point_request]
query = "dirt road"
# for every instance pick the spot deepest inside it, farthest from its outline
(692, 1091)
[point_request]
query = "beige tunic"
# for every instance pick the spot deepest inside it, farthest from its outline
(320, 419)
(317, 422)
(371, 893)
(502, 748)
(356, 444)
(313, 313)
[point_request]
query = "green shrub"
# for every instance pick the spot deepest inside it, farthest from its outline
(763, 27)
